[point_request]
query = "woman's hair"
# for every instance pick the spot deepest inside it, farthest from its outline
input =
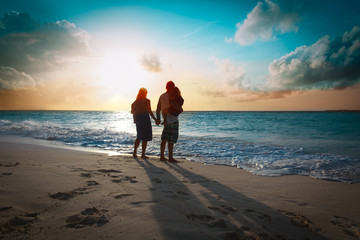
(142, 93)
(175, 92)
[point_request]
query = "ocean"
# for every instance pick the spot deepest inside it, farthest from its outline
(324, 145)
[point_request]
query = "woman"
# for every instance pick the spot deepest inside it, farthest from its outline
(141, 109)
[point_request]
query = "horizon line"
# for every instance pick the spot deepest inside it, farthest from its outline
(84, 110)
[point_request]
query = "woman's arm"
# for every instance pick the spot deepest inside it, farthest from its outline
(148, 108)
(133, 112)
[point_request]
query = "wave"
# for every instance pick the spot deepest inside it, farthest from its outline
(263, 159)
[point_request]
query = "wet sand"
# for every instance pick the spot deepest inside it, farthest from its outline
(53, 193)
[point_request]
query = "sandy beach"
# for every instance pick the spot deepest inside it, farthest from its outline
(54, 193)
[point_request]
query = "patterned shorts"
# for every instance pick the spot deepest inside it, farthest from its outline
(170, 132)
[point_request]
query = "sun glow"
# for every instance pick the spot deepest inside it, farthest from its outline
(121, 71)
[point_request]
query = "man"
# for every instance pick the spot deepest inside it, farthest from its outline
(171, 128)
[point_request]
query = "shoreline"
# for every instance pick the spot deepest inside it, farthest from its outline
(53, 193)
(62, 145)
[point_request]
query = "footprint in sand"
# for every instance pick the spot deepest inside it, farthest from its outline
(246, 233)
(347, 225)
(262, 216)
(68, 195)
(6, 164)
(108, 171)
(178, 194)
(300, 220)
(208, 220)
(118, 196)
(79, 170)
(92, 183)
(144, 202)
(88, 217)
(219, 210)
(7, 174)
(18, 222)
(228, 208)
(85, 175)
(125, 179)
(302, 204)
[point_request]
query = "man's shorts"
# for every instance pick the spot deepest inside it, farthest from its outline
(170, 132)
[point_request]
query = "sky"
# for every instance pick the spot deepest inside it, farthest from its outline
(243, 55)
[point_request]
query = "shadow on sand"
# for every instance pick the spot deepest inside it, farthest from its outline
(191, 206)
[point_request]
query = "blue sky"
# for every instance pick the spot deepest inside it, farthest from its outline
(238, 51)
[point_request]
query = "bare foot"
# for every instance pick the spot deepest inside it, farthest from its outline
(163, 159)
(134, 155)
(144, 157)
(173, 160)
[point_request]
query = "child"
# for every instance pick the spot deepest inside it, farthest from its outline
(176, 102)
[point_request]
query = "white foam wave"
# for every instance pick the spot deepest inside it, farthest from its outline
(118, 134)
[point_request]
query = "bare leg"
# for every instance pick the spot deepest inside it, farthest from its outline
(144, 145)
(162, 151)
(136, 145)
(171, 150)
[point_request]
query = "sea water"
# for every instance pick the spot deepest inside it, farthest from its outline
(323, 145)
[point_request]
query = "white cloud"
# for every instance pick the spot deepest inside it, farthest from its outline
(265, 21)
(230, 73)
(327, 64)
(151, 63)
(10, 78)
(31, 47)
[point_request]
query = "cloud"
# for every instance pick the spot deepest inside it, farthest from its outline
(267, 20)
(151, 63)
(327, 64)
(29, 47)
(10, 78)
(230, 74)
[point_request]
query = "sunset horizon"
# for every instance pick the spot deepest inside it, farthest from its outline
(224, 56)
